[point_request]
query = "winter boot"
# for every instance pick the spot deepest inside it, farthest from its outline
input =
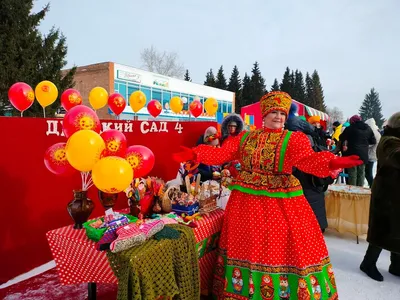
(368, 265)
(394, 267)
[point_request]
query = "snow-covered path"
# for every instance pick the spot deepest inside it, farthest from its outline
(353, 284)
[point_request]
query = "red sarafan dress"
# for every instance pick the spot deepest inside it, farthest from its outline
(270, 233)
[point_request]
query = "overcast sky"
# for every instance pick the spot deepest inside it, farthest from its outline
(353, 44)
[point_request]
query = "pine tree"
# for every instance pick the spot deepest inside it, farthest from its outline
(292, 84)
(235, 86)
(210, 79)
(309, 99)
(220, 82)
(299, 93)
(257, 84)
(187, 76)
(246, 91)
(275, 86)
(286, 84)
(372, 108)
(28, 56)
(318, 92)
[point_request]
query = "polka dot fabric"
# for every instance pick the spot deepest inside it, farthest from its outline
(277, 236)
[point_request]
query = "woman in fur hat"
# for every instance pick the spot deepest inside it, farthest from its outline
(269, 227)
(384, 220)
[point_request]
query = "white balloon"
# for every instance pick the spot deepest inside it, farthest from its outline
(184, 99)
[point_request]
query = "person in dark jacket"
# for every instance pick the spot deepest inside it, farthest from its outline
(384, 220)
(313, 187)
(356, 139)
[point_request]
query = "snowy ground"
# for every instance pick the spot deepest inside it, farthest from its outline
(353, 284)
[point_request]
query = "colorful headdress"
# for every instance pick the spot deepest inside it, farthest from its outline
(314, 119)
(275, 101)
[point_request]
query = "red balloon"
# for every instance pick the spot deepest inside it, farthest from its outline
(141, 159)
(70, 98)
(116, 103)
(21, 96)
(115, 143)
(196, 108)
(154, 108)
(56, 161)
(78, 118)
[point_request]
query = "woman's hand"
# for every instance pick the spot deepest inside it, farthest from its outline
(185, 155)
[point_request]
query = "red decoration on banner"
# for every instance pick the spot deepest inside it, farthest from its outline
(21, 96)
(115, 143)
(154, 108)
(70, 98)
(196, 108)
(141, 159)
(78, 118)
(116, 103)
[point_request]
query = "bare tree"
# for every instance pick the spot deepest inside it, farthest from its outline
(335, 114)
(164, 63)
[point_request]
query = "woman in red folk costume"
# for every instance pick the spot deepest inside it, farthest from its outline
(269, 228)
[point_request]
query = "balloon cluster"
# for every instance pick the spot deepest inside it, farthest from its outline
(112, 164)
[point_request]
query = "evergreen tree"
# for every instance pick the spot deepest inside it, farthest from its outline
(187, 76)
(210, 79)
(318, 92)
(286, 84)
(220, 82)
(235, 85)
(372, 108)
(275, 86)
(309, 99)
(299, 93)
(257, 84)
(27, 56)
(246, 91)
(292, 84)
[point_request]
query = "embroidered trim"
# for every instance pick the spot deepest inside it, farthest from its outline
(262, 192)
(283, 150)
(244, 137)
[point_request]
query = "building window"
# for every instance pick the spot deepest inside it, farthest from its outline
(156, 94)
(229, 110)
(166, 97)
(147, 92)
(116, 87)
(185, 105)
(122, 90)
(220, 106)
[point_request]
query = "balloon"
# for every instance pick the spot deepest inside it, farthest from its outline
(98, 97)
(55, 160)
(21, 96)
(141, 160)
(112, 174)
(46, 93)
(70, 98)
(115, 142)
(196, 108)
(78, 118)
(137, 101)
(83, 149)
(116, 103)
(154, 108)
(176, 104)
(211, 106)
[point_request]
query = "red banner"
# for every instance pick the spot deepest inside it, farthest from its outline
(34, 200)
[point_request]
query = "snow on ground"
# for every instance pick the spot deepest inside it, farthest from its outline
(346, 256)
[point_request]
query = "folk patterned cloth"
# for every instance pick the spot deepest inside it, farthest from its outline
(271, 246)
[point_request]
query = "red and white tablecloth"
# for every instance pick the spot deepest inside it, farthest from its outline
(78, 261)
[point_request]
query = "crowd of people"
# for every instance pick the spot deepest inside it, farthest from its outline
(275, 218)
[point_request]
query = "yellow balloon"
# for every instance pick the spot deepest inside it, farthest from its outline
(83, 149)
(98, 97)
(46, 93)
(211, 106)
(176, 104)
(137, 100)
(112, 174)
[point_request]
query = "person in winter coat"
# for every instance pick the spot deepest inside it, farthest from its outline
(384, 220)
(321, 134)
(231, 126)
(372, 152)
(356, 140)
(210, 137)
(313, 187)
